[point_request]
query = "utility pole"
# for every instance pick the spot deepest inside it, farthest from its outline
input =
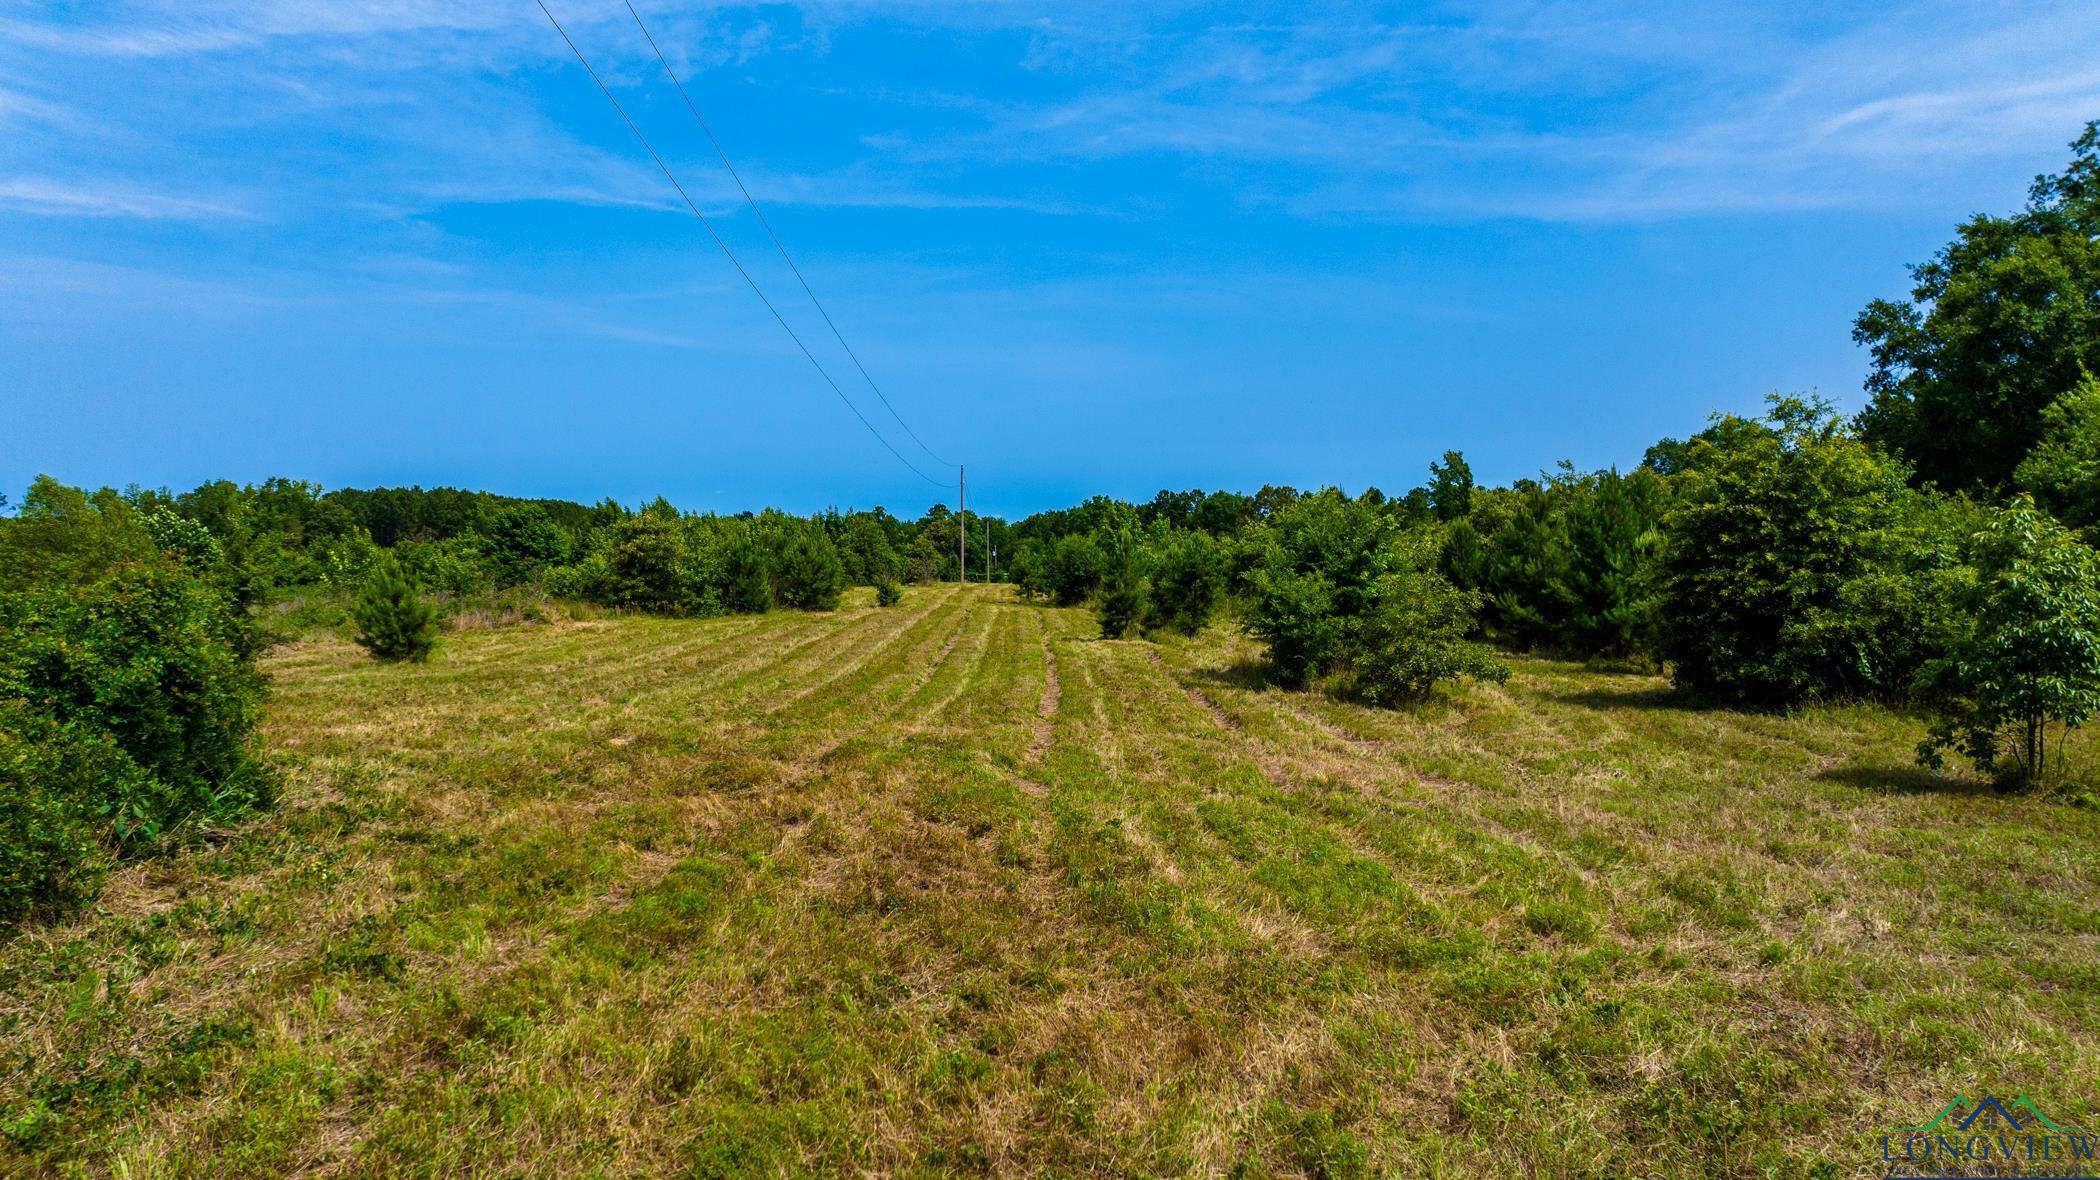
(987, 549)
(962, 527)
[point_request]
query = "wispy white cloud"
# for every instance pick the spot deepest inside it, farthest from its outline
(1502, 108)
(1541, 111)
(51, 197)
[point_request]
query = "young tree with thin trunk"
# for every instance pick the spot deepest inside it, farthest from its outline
(2030, 660)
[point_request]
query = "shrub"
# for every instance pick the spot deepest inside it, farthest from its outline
(348, 560)
(1071, 569)
(128, 702)
(183, 539)
(1611, 527)
(2063, 470)
(1780, 532)
(455, 566)
(2029, 657)
(924, 558)
(866, 552)
(1316, 567)
(888, 593)
(587, 580)
(809, 575)
(1188, 581)
(1293, 613)
(147, 659)
(1029, 567)
(50, 855)
(521, 541)
(393, 621)
(1414, 640)
(1341, 588)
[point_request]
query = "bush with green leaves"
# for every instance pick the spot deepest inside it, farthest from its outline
(588, 580)
(1797, 564)
(1414, 639)
(455, 566)
(926, 561)
(521, 541)
(888, 592)
(128, 696)
(2062, 472)
(1188, 583)
(1071, 569)
(346, 561)
(1341, 588)
(1317, 563)
(147, 659)
(866, 550)
(51, 854)
(394, 622)
(2027, 659)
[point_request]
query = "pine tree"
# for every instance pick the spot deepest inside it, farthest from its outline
(747, 576)
(393, 621)
(1122, 600)
(809, 575)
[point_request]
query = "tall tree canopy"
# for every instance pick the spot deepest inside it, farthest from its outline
(1999, 325)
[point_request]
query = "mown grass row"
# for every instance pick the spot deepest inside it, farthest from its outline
(954, 887)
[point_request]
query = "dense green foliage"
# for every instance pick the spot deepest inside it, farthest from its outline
(1122, 599)
(393, 621)
(1065, 570)
(128, 691)
(50, 852)
(1450, 491)
(522, 541)
(1565, 565)
(810, 575)
(1797, 564)
(2028, 655)
(1341, 586)
(1999, 325)
(645, 565)
(1188, 583)
(2062, 472)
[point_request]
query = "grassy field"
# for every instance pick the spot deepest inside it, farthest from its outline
(955, 887)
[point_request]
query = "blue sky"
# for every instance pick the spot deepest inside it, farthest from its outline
(1083, 248)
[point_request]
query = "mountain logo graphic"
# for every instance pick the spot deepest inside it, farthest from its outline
(2033, 1115)
(2019, 1140)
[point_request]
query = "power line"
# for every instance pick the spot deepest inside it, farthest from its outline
(777, 244)
(726, 251)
